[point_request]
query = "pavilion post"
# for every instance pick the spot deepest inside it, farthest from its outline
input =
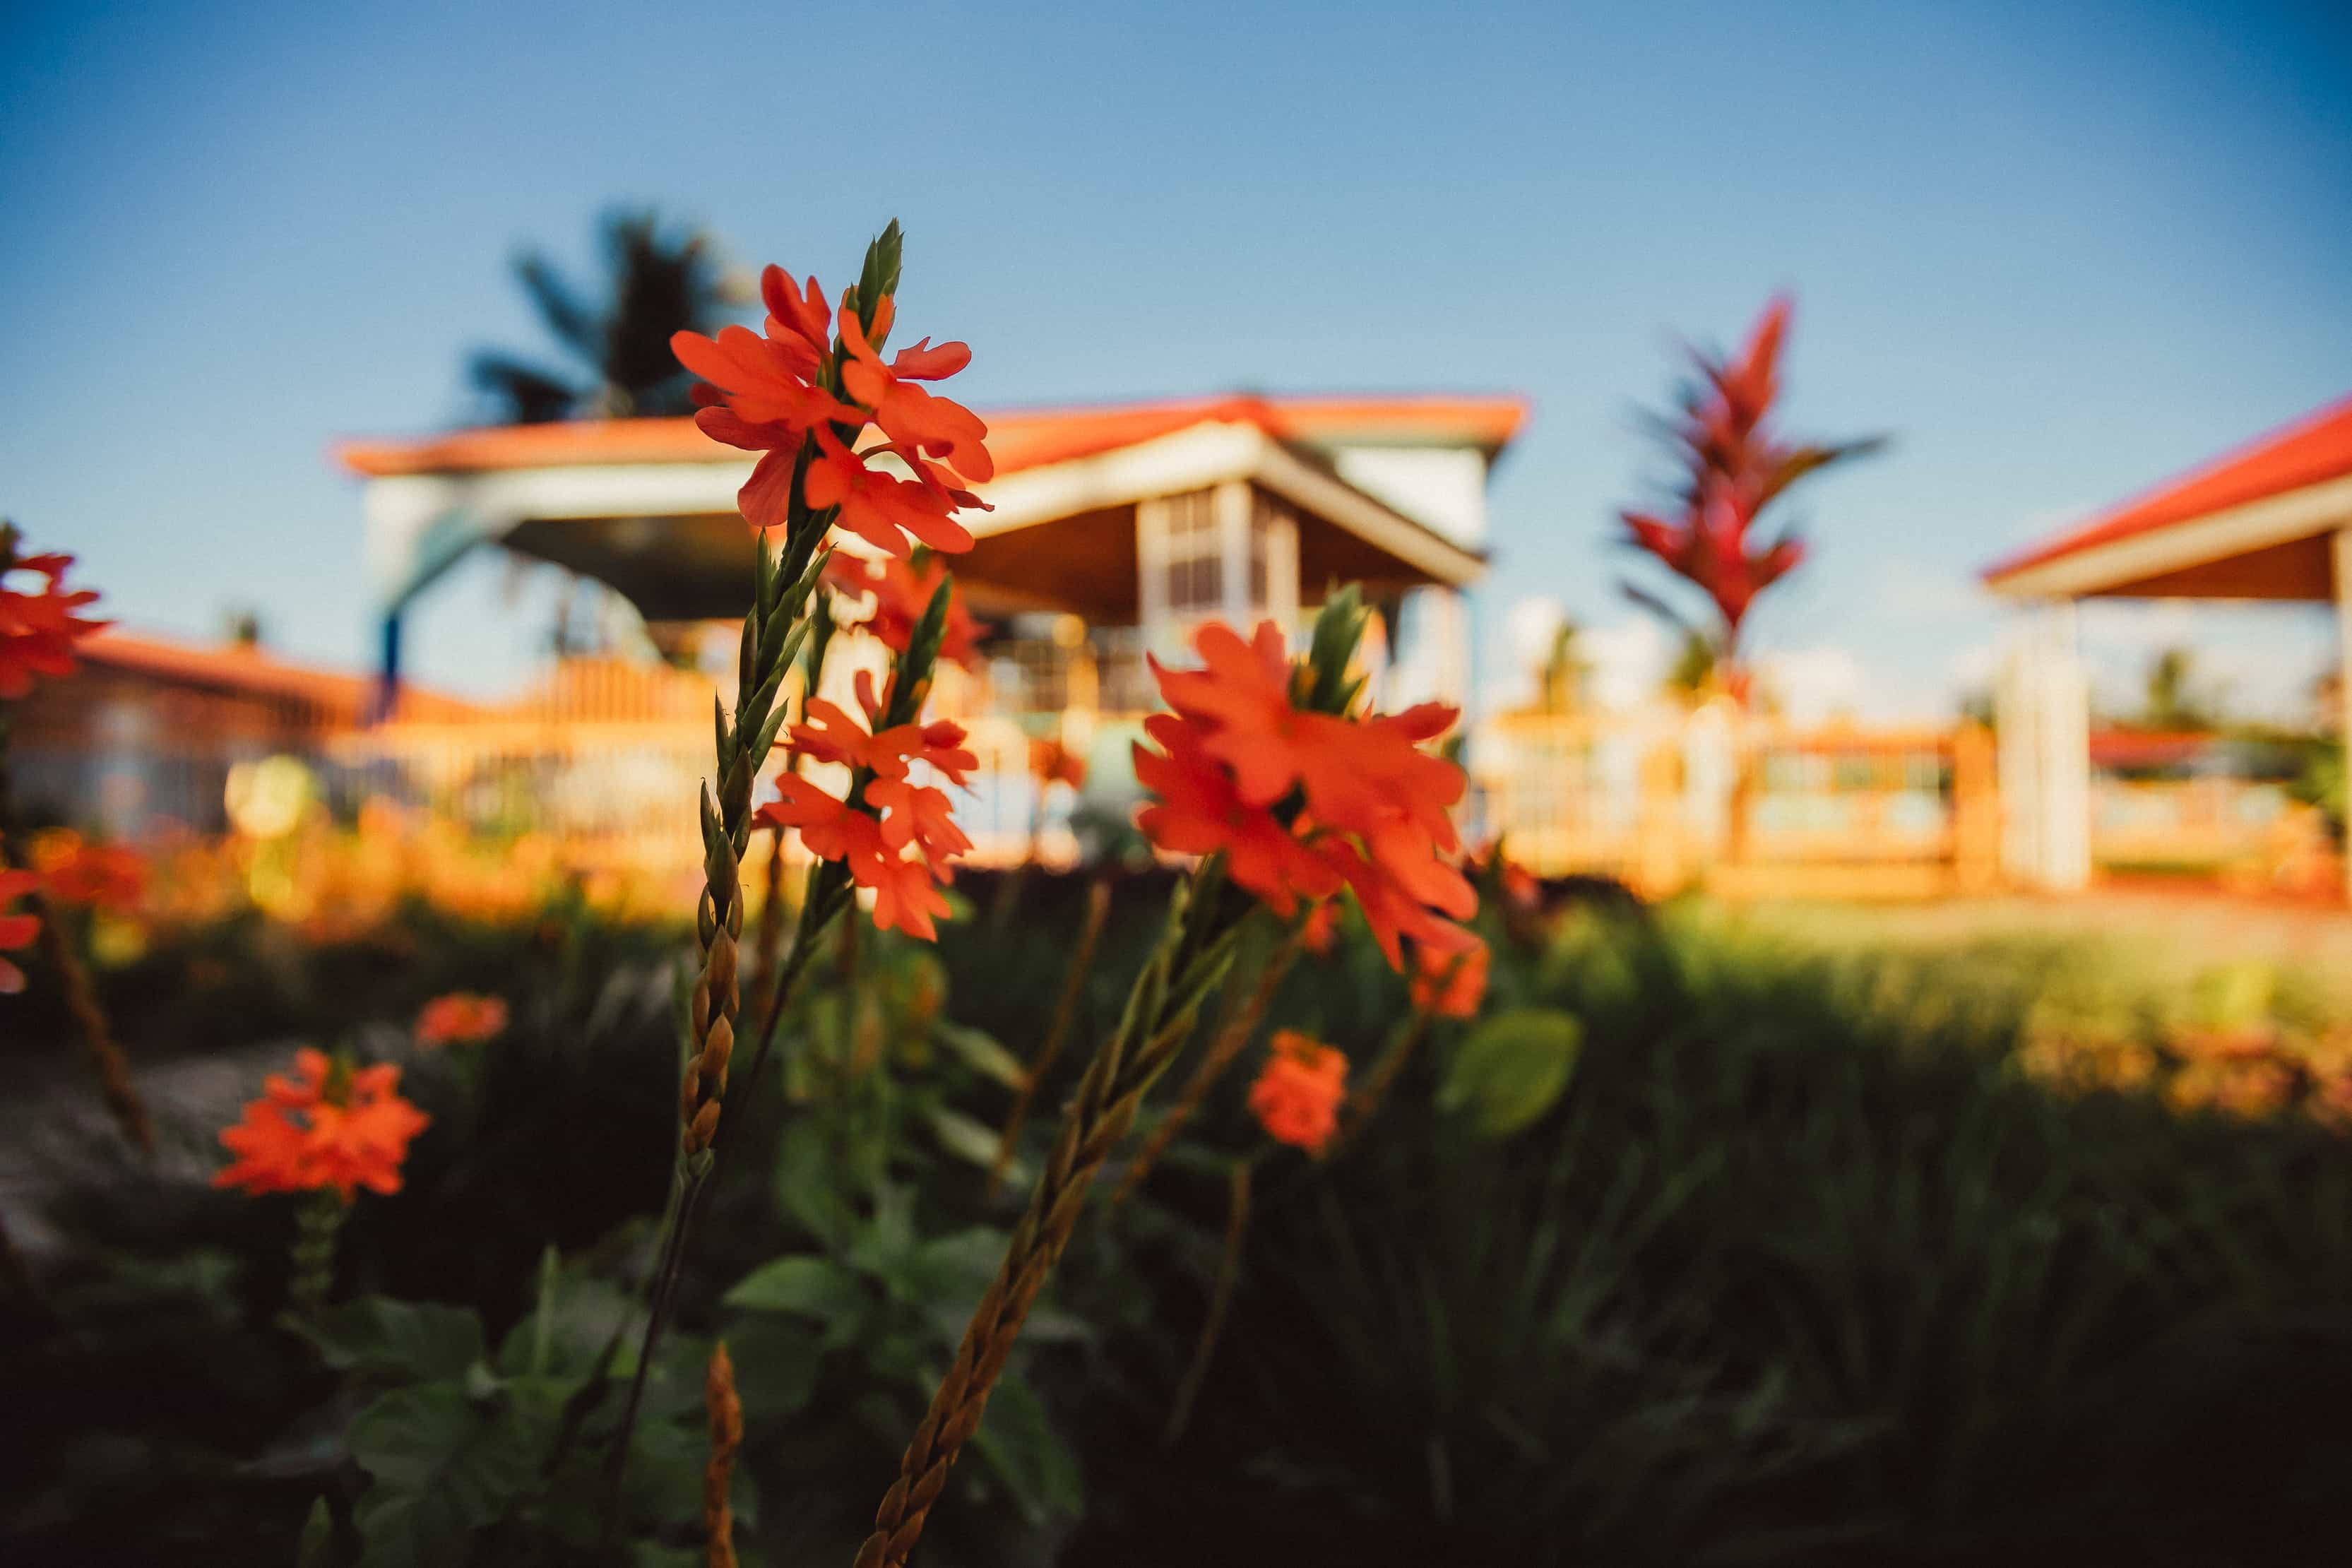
(2341, 560)
(2044, 753)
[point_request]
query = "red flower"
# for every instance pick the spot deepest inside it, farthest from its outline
(75, 871)
(898, 814)
(1052, 763)
(324, 1127)
(17, 931)
(1248, 771)
(882, 508)
(901, 594)
(1297, 1093)
(1199, 811)
(39, 629)
(834, 736)
(774, 391)
(1450, 984)
(1321, 928)
(922, 816)
(937, 426)
(462, 1017)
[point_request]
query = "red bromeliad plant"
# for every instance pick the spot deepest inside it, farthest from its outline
(1733, 466)
(1285, 792)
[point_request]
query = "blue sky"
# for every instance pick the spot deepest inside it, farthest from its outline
(2058, 251)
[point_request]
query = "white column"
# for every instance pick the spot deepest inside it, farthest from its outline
(1432, 648)
(2044, 756)
(1233, 512)
(2342, 559)
(1151, 575)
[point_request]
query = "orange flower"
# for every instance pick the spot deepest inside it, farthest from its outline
(17, 931)
(327, 1126)
(901, 594)
(834, 736)
(1297, 1093)
(897, 814)
(1246, 771)
(1321, 928)
(1199, 811)
(1450, 984)
(774, 391)
(915, 419)
(461, 1019)
(75, 871)
(38, 630)
(881, 509)
(1051, 762)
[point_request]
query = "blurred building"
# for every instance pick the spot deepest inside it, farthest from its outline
(141, 738)
(2270, 522)
(1115, 530)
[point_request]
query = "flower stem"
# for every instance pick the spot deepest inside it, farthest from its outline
(1065, 1013)
(318, 1222)
(1221, 1300)
(1240, 1027)
(114, 1080)
(1194, 952)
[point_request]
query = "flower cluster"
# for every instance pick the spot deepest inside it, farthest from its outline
(1052, 763)
(1297, 1093)
(460, 1018)
(896, 835)
(902, 590)
(328, 1125)
(1303, 802)
(37, 628)
(17, 931)
(802, 391)
(109, 877)
(1450, 984)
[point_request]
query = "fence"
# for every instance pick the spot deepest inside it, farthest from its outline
(603, 762)
(1663, 799)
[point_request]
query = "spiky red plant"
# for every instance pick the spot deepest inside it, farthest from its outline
(1733, 466)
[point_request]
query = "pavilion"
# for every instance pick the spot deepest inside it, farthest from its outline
(1145, 516)
(2272, 520)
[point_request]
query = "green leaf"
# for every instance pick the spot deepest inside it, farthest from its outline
(376, 1335)
(966, 1139)
(317, 1548)
(982, 1053)
(443, 1466)
(808, 1286)
(776, 1361)
(1512, 1068)
(951, 1271)
(1017, 1441)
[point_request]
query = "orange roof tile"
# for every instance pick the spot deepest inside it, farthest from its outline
(1018, 438)
(2312, 450)
(240, 669)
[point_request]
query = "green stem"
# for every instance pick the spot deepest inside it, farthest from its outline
(318, 1223)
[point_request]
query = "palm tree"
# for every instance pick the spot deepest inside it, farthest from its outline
(2175, 702)
(1561, 677)
(658, 281)
(1732, 467)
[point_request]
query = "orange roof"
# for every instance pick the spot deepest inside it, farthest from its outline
(2312, 450)
(242, 669)
(1017, 439)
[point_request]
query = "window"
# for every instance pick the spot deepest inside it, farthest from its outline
(1195, 554)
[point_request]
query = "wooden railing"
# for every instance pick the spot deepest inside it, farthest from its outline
(603, 761)
(1665, 799)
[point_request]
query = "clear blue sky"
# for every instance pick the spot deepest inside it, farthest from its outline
(2058, 250)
